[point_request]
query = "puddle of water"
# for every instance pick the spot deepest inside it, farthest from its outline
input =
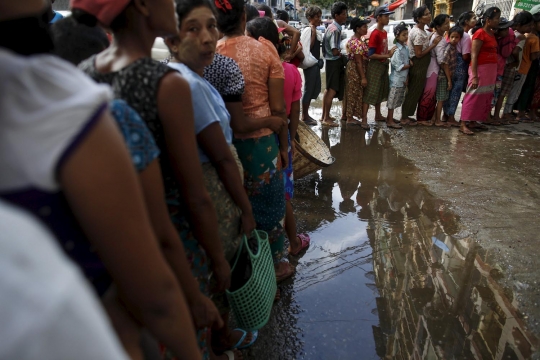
(389, 274)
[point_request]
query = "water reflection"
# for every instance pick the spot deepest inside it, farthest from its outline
(387, 275)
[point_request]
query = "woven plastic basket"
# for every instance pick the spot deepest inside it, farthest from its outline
(312, 153)
(252, 303)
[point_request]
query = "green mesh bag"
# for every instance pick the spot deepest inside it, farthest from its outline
(252, 302)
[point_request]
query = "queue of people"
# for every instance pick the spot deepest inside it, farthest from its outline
(492, 60)
(147, 174)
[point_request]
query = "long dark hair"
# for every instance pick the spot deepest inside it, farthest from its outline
(464, 17)
(264, 27)
(439, 21)
(228, 20)
(490, 13)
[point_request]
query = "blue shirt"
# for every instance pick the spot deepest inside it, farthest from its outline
(208, 105)
(138, 138)
(398, 76)
(332, 40)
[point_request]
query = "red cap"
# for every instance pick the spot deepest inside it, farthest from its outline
(104, 10)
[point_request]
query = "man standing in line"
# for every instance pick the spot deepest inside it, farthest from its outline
(335, 70)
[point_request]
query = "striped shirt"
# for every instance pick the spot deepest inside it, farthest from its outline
(332, 40)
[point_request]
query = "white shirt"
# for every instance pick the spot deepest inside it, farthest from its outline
(47, 310)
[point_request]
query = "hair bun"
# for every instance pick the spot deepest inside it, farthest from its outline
(84, 18)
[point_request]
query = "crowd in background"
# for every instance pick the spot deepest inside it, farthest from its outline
(493, 60)
(146, 175)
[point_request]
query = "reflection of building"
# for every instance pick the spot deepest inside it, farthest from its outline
(438, 299)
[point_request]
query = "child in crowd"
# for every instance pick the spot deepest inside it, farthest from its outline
(446, 70)
(428, 101)
(523, 24)
(532, 50)
(506, 67)
(377, 73)
(400, 63)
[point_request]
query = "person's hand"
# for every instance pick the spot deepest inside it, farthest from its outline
(410, 63)
(288, 56)
(407, 82)
(437, 40)
(449, 87)
(276, 123)
(205, 313)
(392, 51)
(248, 223)
(293, 148)
(474, 83)
(284, 158)
(222, 274)
(364, 82)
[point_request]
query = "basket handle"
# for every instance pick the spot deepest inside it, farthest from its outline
(259, 235)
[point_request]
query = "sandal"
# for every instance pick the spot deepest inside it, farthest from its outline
(525, 120)
(331, 124)
(310, 122)
(394, 126)
(365, 126)
(304, 244)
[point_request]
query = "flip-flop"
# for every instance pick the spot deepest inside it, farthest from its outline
(230, 354)
(310, 122)
(242, 338)
(356, 123)
(380, 119)
(525, 120)
(304, 243)
(394, 126)
(365, 126)
(254, 335)
(330, 124)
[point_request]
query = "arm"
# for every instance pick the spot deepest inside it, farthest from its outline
(476, 45)
(299, 53)
(213, 143)
(448, 75)
(293, 33)
(101, 187)
(360, 68)
(277, 106)
(294, 117)
(242, 124)
(396, 62)
(204, 312)
(373, 56)
(176, 113)
(418, 48)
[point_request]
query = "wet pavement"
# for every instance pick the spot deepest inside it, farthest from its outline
(423, 246)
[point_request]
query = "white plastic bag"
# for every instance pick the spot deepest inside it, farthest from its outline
(309, 59)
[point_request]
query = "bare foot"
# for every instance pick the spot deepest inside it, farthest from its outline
(441, 124)
(284, 270)
(453, 123)
(425, 123)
